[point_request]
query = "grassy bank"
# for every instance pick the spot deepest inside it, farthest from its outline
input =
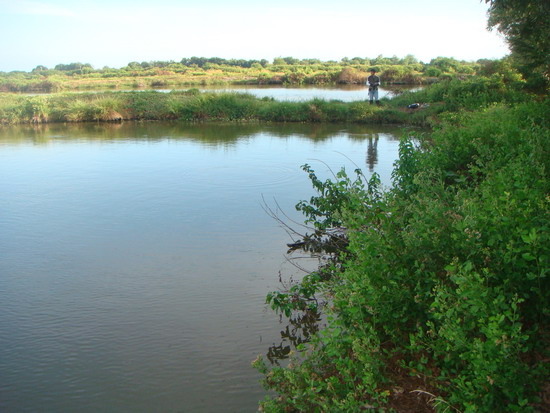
(438, 298)
(194, 106)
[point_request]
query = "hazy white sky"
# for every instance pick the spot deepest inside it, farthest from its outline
(116, 32)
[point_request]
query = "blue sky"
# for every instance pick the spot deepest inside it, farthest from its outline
(114, 33)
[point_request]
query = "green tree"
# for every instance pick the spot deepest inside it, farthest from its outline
(291, 60)
(445, 64)
(381, 60)
(39, 68)
(73, 66)
(410, 59)
(279, 61)
(134, 65)
(526, 27)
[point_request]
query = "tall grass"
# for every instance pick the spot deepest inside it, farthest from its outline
(188, 106)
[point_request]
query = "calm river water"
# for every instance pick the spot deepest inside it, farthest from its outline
(135, 258)
(345, 93)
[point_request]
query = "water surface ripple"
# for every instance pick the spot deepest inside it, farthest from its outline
(135, 258)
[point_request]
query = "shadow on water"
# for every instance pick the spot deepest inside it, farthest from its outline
(298, 330)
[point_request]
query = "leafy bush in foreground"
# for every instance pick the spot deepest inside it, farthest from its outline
(443, 295)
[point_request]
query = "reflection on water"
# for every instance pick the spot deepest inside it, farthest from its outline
(206, 133)
(299, 328)
(135, 258)
(372, 150)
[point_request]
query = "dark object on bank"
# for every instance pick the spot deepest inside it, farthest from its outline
(414, 106)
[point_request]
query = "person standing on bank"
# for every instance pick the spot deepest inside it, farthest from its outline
(373, 81)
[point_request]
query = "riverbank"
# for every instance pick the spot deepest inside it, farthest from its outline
(436, 297)
(194, 106)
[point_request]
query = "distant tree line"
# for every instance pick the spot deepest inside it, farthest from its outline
(442, 63)
(195, 70)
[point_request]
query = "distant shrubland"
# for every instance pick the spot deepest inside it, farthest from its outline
(196, 71)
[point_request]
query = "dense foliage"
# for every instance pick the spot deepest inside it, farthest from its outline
(526, 27)
(439, 298)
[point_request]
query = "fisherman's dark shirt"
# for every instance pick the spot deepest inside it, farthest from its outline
(374, 81)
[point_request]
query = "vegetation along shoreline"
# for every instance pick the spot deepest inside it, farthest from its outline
(435, 290)
(195, 106)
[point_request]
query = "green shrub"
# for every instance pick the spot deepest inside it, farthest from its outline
(443, 278)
